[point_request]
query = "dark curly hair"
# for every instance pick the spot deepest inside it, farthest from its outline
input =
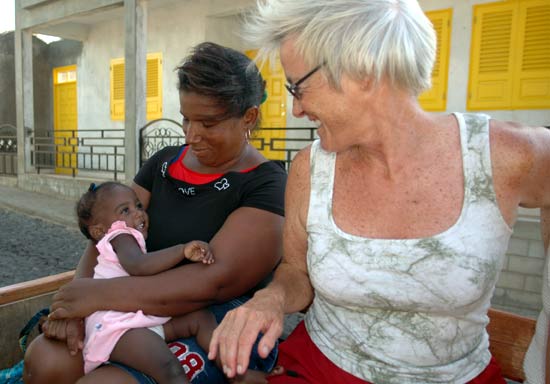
(224, 74)
(87, 202)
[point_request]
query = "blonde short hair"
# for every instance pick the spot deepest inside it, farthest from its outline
(360, 38)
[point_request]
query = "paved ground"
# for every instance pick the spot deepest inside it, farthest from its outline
(38, 236)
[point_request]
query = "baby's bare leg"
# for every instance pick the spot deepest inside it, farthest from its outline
(199, 324)
(145, 351)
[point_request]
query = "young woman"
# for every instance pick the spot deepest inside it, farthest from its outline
(217, 188)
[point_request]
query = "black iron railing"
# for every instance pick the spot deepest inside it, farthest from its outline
(89, 151)
(8, 149)
(158, 134)
(73, 152)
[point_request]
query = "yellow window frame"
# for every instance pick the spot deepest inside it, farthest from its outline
(153, 87)
(435, 99)
(509, 60)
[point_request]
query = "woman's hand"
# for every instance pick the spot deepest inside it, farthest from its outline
(76, 299)
(234, 337)
(71, 331)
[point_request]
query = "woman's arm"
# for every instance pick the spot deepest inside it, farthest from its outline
(290, 290)
(291, 281)
(247, 248)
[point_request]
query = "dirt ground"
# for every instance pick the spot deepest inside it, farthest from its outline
(31, 248)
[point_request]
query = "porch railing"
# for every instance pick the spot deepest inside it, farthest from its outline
(8, 149)
(101, 152)
(82, 152)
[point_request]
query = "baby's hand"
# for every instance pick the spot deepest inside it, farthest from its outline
(199, 251)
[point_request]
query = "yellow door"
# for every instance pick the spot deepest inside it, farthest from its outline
(270, 140)
(65, 119)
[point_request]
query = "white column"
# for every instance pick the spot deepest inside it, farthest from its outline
(24, 98)
(135, 80)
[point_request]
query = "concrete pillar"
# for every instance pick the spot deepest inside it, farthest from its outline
(24, 98)
(135, 80)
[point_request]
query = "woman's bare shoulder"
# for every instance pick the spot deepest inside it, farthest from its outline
(515, 141)
(302, 157)
(521, 154)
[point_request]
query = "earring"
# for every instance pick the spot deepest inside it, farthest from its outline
(247, 136)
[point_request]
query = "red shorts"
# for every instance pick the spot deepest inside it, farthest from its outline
(305, 363)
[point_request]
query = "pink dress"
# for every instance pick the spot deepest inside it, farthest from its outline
(104, 328)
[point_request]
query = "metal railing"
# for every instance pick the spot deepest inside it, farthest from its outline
(82, 151)
(282, 143)
(92, 152)
(158, 134)
(8, 149)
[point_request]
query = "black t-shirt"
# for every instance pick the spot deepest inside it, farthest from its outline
(180, 212)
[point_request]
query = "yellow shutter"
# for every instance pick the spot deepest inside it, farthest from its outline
(153, 89)
(435, 99)
(532, 69)
(154, 86)
(491, 58)
(117, 89)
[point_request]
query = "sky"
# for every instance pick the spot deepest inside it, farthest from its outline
(7, 20)
(7, 15)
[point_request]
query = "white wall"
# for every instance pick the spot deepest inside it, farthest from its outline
(171, 30)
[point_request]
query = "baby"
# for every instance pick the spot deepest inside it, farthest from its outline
(112, 216)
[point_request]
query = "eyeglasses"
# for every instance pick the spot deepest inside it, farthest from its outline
(294, 88)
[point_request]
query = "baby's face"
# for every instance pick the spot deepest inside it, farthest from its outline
(122, 204)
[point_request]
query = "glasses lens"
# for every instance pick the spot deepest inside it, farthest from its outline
(291, 88)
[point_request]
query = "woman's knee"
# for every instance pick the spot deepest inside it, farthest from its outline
(49, 361)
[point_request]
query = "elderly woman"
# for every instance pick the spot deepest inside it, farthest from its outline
(217, 188)
(397, 220)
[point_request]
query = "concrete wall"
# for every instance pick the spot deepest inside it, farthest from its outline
(45, 58)
(171, 31)
(42, 90)
(7, 79)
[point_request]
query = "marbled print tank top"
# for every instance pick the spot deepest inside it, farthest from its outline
(410, 310)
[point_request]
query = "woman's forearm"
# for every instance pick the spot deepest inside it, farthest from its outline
(238, 269)
(174, 292)
(293, 287)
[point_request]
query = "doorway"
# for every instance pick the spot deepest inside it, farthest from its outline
(65, 119)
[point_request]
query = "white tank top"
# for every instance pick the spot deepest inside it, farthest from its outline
(409, 310)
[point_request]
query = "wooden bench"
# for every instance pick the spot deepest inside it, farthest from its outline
(509, 334)
(18, 302)
(509, 338)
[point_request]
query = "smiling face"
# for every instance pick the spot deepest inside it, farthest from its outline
(335, 112)
(119, 203)
(214, 139)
